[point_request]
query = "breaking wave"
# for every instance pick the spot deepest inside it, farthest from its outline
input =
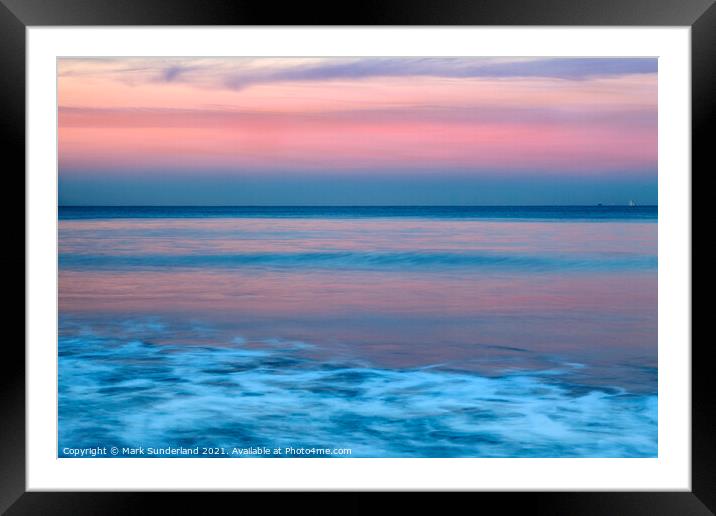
(135, 393)
(364, 260)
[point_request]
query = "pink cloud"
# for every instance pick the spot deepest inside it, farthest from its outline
(423, 123)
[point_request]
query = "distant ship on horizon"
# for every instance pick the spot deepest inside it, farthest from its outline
(632, 203)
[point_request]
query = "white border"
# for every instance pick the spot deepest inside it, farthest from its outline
(670, 471)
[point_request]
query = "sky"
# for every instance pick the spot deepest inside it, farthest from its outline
(357, 131)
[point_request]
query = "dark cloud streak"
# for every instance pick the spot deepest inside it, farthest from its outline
(575, 69)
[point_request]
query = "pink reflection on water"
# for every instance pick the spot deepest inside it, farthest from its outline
(399, 317)
(286, 293)
(383, 315)
(234, 235)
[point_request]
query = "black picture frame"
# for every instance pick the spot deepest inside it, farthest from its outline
(17, 15)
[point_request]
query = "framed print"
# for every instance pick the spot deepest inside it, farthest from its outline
(406, 250)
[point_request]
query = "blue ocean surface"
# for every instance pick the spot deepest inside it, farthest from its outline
(554, 213)
(364, 331)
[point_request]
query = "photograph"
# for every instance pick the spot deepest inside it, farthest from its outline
(357, 257)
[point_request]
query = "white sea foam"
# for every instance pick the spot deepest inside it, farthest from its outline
(138, 394)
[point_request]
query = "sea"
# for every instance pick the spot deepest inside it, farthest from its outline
(392, 332)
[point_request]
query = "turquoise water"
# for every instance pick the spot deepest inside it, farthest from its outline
(389, 332)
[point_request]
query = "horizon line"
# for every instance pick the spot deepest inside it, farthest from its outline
(599, 205)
